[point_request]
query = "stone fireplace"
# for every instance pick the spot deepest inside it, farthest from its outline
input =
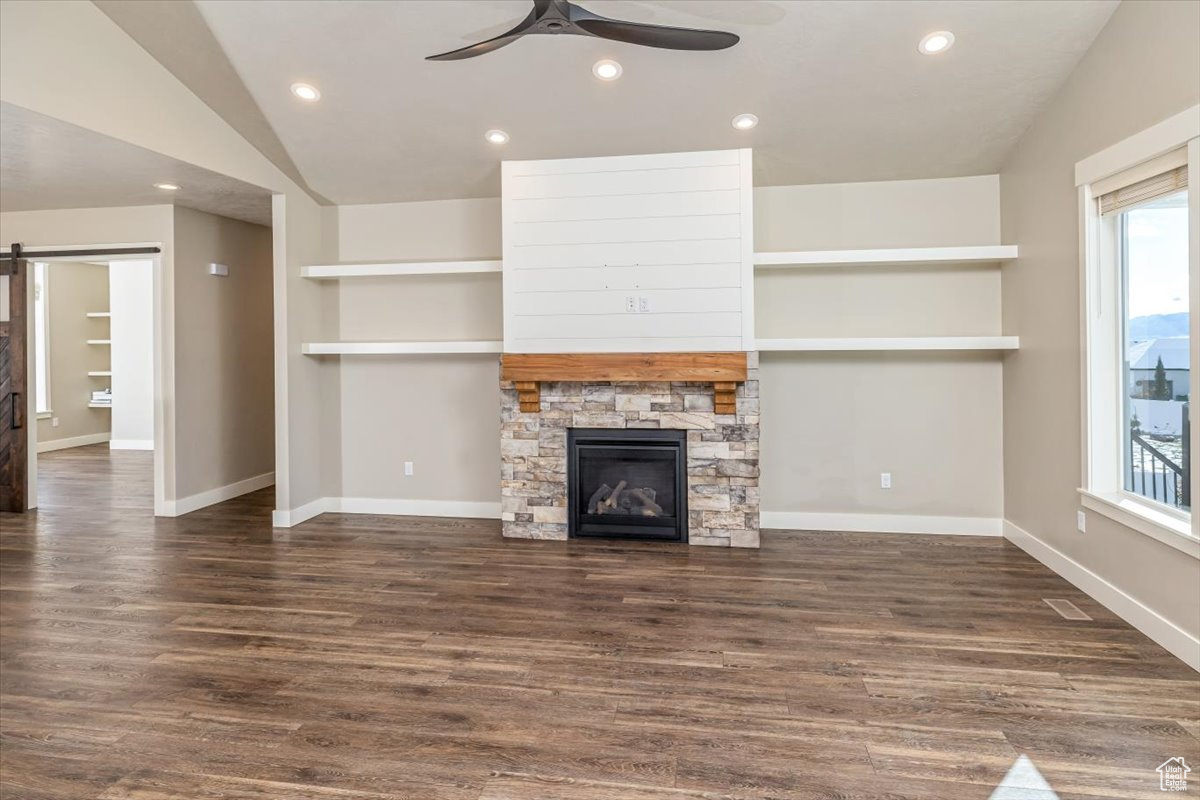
(716, 413)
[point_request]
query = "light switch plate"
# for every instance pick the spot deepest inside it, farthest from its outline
(408, 468)
(220, 270)
(885, 480)
(1081, 521)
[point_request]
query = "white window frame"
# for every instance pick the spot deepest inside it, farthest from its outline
(1103, 489)
(41, 341)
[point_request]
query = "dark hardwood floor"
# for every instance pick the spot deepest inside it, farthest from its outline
(377, 657)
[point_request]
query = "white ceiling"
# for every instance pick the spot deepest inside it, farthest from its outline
(46, 163)
(840, 88)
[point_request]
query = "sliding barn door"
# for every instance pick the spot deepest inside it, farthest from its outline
(14, 438)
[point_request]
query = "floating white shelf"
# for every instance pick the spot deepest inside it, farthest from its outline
(891, 343)
(99, 314)
(398, 348)
(100, 405)
(99, 341)
(335, 271)
(100, 374)
(910, 255)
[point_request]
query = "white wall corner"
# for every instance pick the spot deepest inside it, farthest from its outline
(881, 523)
(1158, 628)
(286, 518)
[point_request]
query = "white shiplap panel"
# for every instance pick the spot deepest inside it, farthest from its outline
(629, 344)
(700, 251)
(661, 301)
(629, 229)
(642, 181)
(625, 278)
(645, 206)
(608, 326)
(575, 166)
(582, 236)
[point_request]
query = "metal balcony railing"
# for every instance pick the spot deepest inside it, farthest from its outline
(1155, 475)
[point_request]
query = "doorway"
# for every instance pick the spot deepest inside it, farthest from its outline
(86, 400)
(92, 326)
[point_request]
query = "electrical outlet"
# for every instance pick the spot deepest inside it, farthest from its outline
(885, 480)
(1081, 521)
(408, 468)
(54, 422)
(643, 304)
(631, 303)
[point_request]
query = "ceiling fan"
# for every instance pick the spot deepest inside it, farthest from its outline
(563, 16)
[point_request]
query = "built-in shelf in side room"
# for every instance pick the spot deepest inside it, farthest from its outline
(100, 405)
(890, 343)
(914, 256)
(399, 268)
(100, 341)
(400, 348)
(104, 373)
(99, 314)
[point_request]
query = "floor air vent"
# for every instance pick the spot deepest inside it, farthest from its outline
(1066, 609)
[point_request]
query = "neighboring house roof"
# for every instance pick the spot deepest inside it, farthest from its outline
(1172, 350)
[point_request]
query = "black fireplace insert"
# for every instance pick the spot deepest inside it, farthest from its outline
(627, 483)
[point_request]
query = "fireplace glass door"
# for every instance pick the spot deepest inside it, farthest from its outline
(627, 483)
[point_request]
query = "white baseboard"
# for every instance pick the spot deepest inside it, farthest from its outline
(1176, 640)
(132, 444)
(386, 506)
(415, 508)
(881, 523)
(186, 505)
(863, 523)
(286, 518)
(73, 441)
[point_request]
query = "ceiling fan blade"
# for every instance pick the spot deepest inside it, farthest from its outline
(495, 43)
(656, 35)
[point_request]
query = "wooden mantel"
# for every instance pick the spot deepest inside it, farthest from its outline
(527, 370)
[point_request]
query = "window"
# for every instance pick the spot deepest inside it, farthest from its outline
(1139, 221)
(41, 344)
(1153, 263)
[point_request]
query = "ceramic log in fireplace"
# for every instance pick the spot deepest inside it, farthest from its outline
(629, 484)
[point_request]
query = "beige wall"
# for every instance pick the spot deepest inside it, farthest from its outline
(1121, 87)
(440, 412)
(224, 398)
(828, 420)
(74, 290)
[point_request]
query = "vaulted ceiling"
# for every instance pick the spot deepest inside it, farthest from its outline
(839, 87)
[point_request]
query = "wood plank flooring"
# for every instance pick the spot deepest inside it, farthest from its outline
(429, 659)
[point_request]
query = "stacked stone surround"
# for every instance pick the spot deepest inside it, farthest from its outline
(722, 452)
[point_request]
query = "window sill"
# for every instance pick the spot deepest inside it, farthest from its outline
(45, 414)
(1144, 518)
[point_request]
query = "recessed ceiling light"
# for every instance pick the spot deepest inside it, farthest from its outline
(936, 42)
(496, 136)
(306, 92)
(606, 69)
(744, 122)
(168, 187)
